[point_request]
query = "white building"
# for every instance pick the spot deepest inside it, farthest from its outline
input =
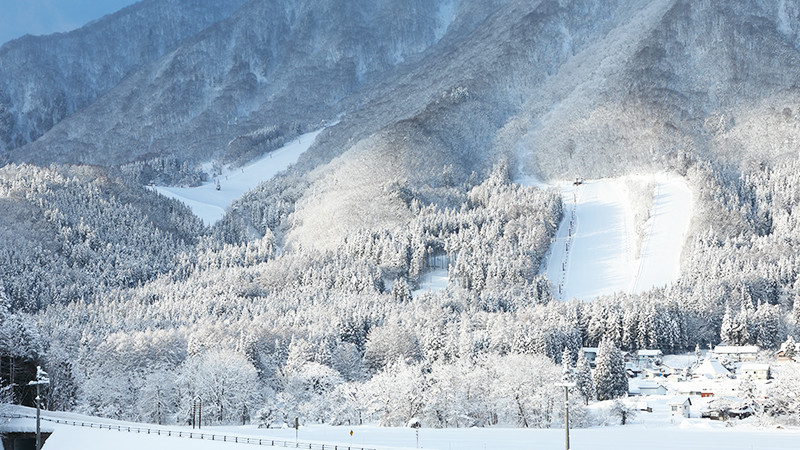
(590, 353)
(649, 357)
(711, 368)
(680, 406)
(736, 352)
(652, 389)
(755, 371)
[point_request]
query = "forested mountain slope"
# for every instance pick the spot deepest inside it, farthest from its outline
(431, 110)
(44, 79)
(563, 89)
(69, 233)
(281, 64)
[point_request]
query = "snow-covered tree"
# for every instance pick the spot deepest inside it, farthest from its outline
(610, 379)
(789, 347)
(726, 332)
(226, 381)
(622, 412)
(796, 313)
(157, 400)
(395, 395)
(400, 290)
(783, 402)
(583, 379)
(567, 368)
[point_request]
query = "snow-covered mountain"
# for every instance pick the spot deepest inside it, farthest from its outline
(284, 64)
(564, 87)
(423, 98)
(398, 265)
(44, 79)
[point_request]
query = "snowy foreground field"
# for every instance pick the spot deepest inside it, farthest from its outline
(600, 248)
(649, 430)
(694, 434)
(209, 204)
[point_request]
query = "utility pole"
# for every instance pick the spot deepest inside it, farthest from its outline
(41, 378)
(416, 425)
(566, 412)
(197, 412)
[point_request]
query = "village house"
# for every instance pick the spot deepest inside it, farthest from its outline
(707, 388)
(649, 357)
(736, 352)
(651, 374)
(648, 388)
(680, 406)
(711, 368)
(590, 353)
(755, 371)
(725, 408)
(780, 355)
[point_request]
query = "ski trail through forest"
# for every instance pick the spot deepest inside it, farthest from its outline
(210, 203)
(593, 251)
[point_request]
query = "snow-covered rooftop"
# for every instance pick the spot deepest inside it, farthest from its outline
(679, 400)
(711, 367)
(735, 349)
(754, 366)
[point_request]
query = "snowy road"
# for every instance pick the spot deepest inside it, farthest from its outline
(210, 204)
(594, 249)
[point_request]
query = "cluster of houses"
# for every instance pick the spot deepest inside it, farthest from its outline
(712, 380)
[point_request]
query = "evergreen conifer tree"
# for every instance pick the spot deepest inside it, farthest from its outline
(789, 347)
(741, 330)
(796, 313)
(609, 377)
(726, 330)
(566, 364)
(583, 379)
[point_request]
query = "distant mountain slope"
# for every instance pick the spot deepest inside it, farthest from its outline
(455, 112)
(716, 79)
(567, 89)
(281, 63)
(432, 92)
(44, 79)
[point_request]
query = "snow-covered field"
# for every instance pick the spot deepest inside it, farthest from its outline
(594, 252)
(209, 204)
(649, 430)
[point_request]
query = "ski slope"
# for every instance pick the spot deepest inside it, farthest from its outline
(210, 204)
(593, 252)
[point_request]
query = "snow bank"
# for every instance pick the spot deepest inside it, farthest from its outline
(210, 204)
(594, 251)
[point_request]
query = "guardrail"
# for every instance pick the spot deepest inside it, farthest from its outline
(193, 434)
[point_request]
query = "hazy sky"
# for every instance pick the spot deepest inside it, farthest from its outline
(20, 17)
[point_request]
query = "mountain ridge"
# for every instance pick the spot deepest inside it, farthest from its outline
(74, 68)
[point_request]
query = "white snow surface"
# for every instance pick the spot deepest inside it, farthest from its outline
(655, 431)
(432, 281)
(593, 253)
(210, 204)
